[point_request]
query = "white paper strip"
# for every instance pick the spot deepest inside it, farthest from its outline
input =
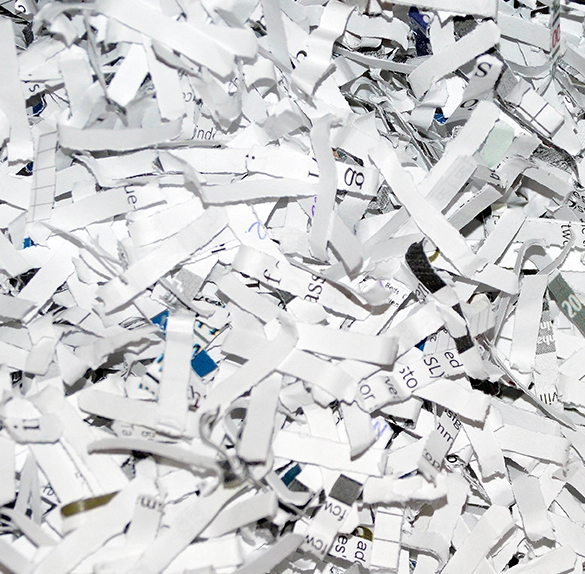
(526, 324)
(534, 444)
(254, 446)
(333, 455)
(532, 508)
(43, 190)
(317, 60)
(117, 140)
(12, 103)
(169, 95)
(491, 528)
(129, 76)
(378, 350)
(172, 397)
(7, 482)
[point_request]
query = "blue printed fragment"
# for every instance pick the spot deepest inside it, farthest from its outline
(440, 118)
(38, 108)
(420, 26)
(161, 320)
(291, 474)
(202, 363)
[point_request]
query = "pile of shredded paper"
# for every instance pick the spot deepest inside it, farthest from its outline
(292, 287)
